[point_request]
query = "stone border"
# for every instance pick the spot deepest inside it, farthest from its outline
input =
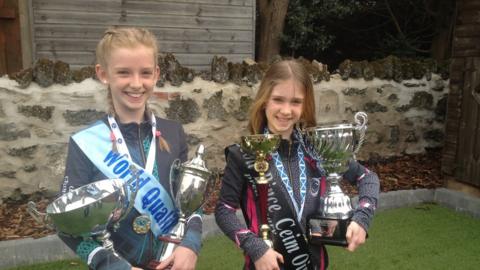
(50, 248)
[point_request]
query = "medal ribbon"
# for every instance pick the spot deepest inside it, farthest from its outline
(122, 145)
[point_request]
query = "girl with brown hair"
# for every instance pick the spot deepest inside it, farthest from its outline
(285, 103)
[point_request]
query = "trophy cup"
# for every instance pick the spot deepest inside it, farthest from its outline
(259, 145)
(192, 180)
(88, 211)
(334, 145)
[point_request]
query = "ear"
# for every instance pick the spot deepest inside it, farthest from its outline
(157, 72)
(101, 74)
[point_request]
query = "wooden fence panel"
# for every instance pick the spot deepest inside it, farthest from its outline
(10, 44)
(145, 7)
(194, 30)
(468, 148)
(94, 32)
(167, 46)
(471, 157)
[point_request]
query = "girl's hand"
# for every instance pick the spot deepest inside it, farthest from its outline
(182, 258)
(355, 235)
(135, 268)
(269, 260)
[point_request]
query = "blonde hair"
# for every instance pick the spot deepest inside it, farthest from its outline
(279, 72)
(124, 37)
(127, 37)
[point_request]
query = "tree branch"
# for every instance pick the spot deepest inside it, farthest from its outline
(399, 29)
(428, 9)
(394, 19)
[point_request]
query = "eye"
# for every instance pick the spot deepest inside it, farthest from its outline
(147, 73)
(297, 101)
(277, 99)
(123, 72)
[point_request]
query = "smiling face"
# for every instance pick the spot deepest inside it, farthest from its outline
(131, 75)
(284, 107)
(285, 97)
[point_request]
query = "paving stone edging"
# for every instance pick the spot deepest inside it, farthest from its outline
(50, 248)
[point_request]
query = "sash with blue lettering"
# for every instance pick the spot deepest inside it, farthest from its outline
(152, 199)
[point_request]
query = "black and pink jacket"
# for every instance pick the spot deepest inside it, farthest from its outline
(237, 192)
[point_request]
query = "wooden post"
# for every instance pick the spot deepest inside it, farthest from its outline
(10, 46)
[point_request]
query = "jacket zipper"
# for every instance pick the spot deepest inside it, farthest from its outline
(289, 161)
(288, 164)
(142, 151)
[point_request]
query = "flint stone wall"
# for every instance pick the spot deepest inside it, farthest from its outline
(36, 122)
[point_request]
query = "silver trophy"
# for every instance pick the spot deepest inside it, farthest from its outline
(191, 180)
(334, 146)
(88, 211)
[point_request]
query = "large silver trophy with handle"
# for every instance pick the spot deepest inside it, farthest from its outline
(191, 180)
(334, 146)
(88, 211)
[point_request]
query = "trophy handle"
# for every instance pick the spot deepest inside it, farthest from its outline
(39, 217)
(173, 175)
(361, 120)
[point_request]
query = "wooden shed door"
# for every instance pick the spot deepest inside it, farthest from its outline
(10, 43)
(469, 136)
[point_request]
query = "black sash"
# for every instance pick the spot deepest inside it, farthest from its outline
(287, 235)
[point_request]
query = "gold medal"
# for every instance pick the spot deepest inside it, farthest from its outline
(141, 224)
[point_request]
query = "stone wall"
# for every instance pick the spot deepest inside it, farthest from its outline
(405, 116)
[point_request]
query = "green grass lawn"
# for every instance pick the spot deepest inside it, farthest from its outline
(423, 237)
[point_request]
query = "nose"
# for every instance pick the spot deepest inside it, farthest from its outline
(136, 82)
(286, 109)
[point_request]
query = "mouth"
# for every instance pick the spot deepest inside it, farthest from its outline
(284, 122)
(135, 97)
(135, 94)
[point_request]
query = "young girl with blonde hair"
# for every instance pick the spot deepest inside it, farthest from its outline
(131, 134)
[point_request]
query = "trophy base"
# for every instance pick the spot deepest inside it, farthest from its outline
(327, 231)
(169, 245)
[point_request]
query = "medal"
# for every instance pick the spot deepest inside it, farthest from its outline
(141, 224)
